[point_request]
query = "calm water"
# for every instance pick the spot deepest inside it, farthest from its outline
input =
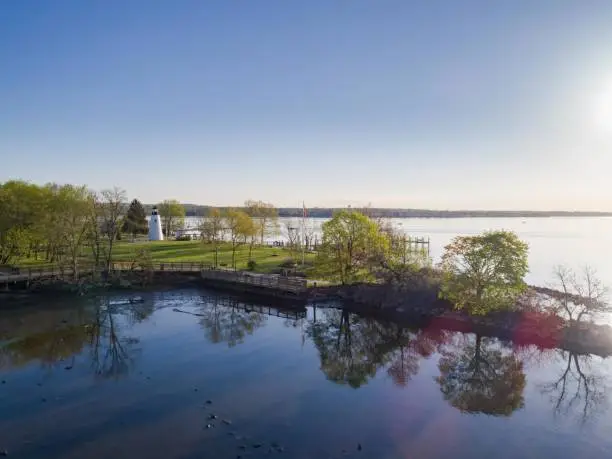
(574, 242)
(102, 379)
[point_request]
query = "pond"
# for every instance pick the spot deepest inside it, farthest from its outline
(197, 374)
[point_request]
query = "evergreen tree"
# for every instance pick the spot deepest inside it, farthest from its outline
(135, 221)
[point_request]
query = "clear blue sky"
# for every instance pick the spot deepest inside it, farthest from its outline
(431, 103)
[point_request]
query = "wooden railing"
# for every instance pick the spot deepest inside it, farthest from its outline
(183, 267)
(269, 281)
(208, 272)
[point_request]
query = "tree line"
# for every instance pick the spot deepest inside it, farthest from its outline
(56, 222)
(198, 210)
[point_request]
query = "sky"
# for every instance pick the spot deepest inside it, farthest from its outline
(472, 104)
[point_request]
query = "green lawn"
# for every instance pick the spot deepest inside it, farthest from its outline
(267, 258)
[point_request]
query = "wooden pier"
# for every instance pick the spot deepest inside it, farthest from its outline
(243, 280)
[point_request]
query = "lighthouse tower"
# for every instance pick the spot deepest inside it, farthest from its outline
(155, 229)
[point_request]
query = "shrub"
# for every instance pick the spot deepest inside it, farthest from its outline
(251, 265)
(184, 237)
(287, 263)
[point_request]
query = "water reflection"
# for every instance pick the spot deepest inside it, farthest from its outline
(352, 349)
(580, 389)
(229, 320)
(474, 374)
(479, 375)
(112, 350)
(55, 337)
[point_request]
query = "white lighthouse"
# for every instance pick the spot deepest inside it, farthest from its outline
(155, 229)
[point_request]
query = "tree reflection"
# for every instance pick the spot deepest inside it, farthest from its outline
(112, 353)
(52, 340)
(345, 354)
(48, 347)
(408, 348)
(479, 376)
(352, 349)
(228, 320)
(579, 391)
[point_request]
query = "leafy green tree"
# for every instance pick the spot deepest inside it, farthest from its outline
(212, 226)
(135, 221)
(73, 209)
(172, 214)
(239, 226)
(212, 231)
(14, 242)
(481, 377)
(351, 245)
(403, 262)
(484, 273)
(265, 218)
(22, 208)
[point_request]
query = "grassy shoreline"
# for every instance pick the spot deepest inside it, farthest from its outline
(267, 259)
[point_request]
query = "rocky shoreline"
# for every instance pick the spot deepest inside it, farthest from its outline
(411, 304)
(421, 306)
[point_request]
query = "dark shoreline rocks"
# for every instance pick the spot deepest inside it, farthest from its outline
(422, 307)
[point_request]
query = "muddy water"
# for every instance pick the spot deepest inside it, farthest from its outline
(104, 378)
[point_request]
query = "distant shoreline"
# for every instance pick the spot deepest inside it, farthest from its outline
(194, 210)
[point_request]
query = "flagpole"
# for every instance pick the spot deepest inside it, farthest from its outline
(303, 233)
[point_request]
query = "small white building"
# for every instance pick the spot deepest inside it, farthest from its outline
(155, 228)
(191, 233)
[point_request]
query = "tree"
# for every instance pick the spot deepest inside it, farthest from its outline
(73, 210)
(135, 221)
(111, 209)
(293, 238)
(142, 261)
(265, 218)
(481, 377)
(239, 226)
(484, 273)
(582, 296)
(212, 227)
(22, 208)
(402, 261)
(350, 244)
(13, 243)
(96, 240)
(212, 231)
(172, 214)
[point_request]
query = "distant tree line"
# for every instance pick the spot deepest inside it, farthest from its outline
(195, 210)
